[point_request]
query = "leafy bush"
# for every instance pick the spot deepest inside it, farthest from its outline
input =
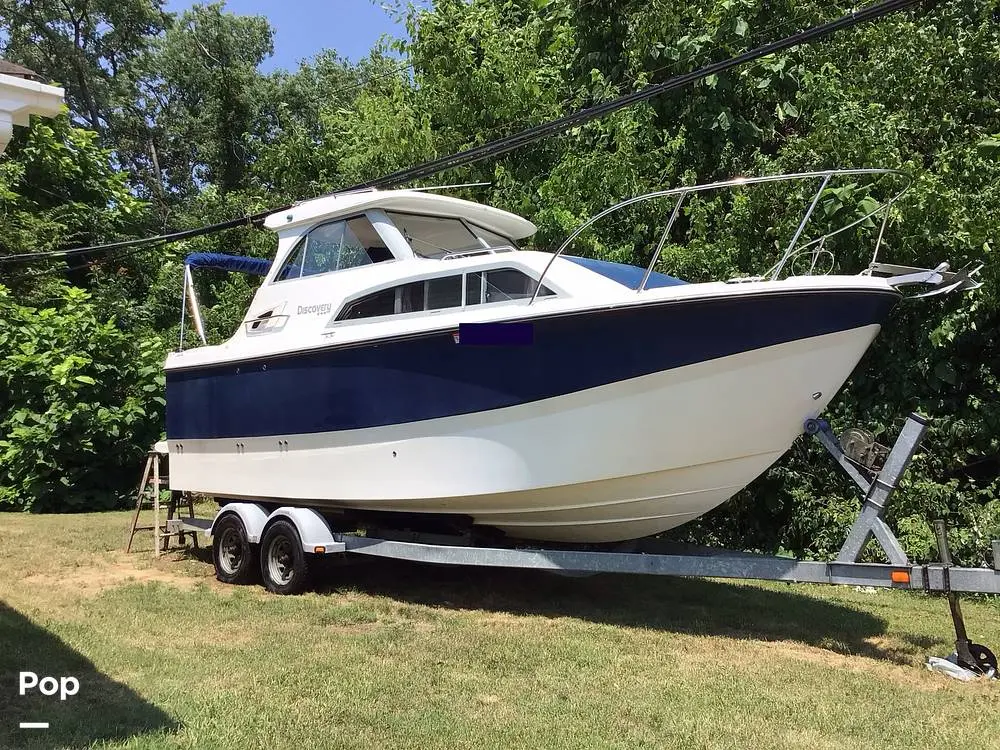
(80, 402)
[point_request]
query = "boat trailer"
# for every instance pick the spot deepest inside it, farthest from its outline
(874, 469)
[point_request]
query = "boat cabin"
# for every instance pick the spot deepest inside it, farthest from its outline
(373, 254)
(395, 257)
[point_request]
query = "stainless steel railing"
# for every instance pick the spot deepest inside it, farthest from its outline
(824, 177)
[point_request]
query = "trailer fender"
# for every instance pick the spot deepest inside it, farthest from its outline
(254, 519)
(313, 529)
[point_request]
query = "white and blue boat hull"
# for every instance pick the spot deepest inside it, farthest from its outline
(604, 426)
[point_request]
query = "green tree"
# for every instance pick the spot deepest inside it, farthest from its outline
(911, 91)
(58, 188)
(88, 46)
(80, 401)
(207, 96)
(204, 136)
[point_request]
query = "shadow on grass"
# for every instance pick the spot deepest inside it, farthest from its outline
(201, 554)
(926, 642)
(102, 710)
(681, 605)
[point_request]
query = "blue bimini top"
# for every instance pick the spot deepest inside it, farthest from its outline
(624, 274)
(223, 262)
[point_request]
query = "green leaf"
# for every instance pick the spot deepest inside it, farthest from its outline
(989, 146)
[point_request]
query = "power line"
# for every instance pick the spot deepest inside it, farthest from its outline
(574, 97)
(511, 142)
(252, 220)
(365, 81)
(529, 135)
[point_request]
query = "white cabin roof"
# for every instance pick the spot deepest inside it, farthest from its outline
(411, 201)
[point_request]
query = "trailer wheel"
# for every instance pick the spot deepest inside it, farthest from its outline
(234, 557)
(283, 564)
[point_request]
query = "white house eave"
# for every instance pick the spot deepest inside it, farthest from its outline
(21, 98)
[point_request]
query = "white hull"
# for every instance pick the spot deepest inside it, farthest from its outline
(616, 462)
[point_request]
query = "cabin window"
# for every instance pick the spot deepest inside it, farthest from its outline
(372, 306)
(409, 297)
(492, 239)
(417, 296)
(473, 288)
(443, 293)
(435, 236)
(481, 287)
(499, 285)
(335, 246)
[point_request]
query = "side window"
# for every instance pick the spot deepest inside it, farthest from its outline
(501, 284)
(410, 297)
(372, 306)
(473, 288)
(445, 292)
(442, 293)
(417, 296)
(333, 247)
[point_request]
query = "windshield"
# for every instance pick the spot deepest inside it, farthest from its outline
(435, 236)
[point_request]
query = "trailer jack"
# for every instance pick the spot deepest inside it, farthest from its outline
(971, 656)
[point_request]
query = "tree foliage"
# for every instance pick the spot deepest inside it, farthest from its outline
(79, 399)
(89, 46)
(200, 135)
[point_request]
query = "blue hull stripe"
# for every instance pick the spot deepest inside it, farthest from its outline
(428, 376)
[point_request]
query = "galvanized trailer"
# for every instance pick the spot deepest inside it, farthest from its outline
(277, 544)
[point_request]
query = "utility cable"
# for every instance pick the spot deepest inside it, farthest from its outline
(498, 131)
(509, 143)
(529, 135)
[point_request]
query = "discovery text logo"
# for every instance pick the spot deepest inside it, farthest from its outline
(318, 309)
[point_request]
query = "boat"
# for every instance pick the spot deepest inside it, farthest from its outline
(404, 361)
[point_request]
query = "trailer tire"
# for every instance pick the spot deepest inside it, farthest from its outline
(283, 563)
(235, 558)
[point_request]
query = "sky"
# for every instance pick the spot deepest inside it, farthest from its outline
(304, 27)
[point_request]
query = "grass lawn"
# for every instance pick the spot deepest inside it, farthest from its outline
(393, 655)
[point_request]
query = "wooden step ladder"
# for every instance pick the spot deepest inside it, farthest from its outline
(148, 496)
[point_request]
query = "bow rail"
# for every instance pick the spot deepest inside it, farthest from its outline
(793, 250)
